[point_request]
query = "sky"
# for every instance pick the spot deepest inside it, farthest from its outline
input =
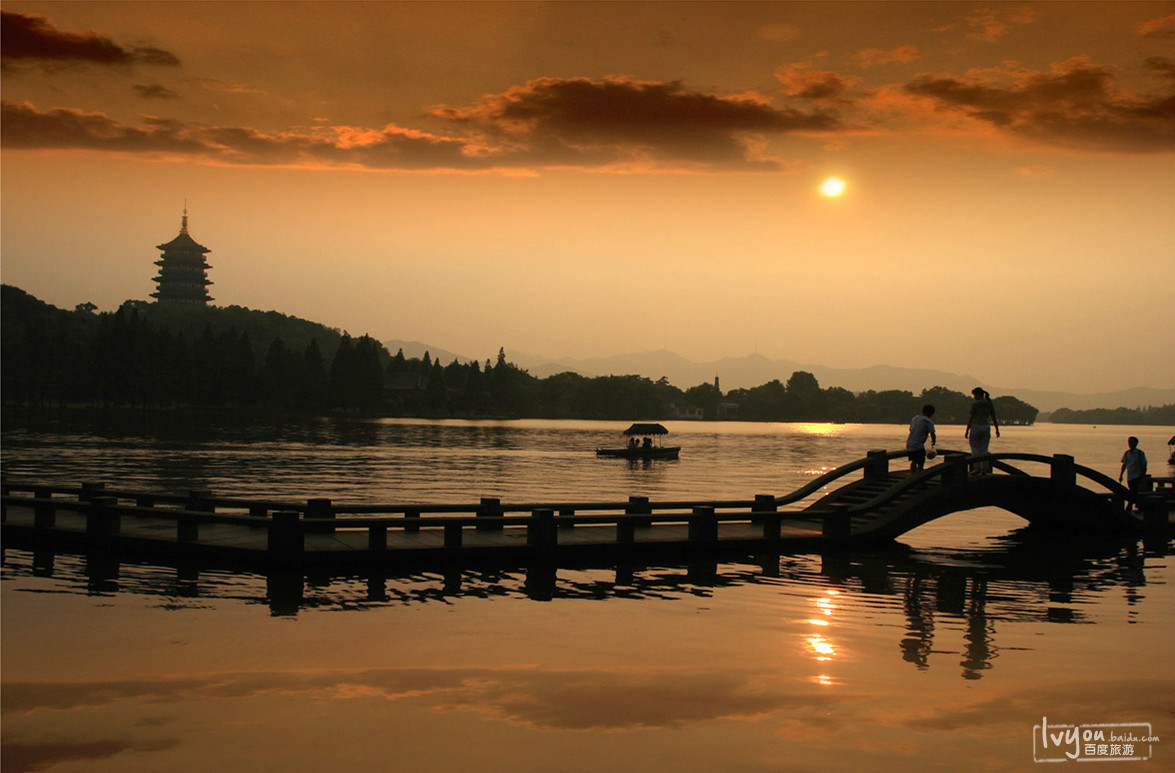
(584, 179)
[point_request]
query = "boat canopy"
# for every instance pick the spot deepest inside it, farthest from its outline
(646, 429)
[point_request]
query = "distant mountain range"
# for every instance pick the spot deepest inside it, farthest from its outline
(754, 370)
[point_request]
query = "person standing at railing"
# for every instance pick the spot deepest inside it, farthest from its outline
(921, 427)
(1133, 466)
(979, 426)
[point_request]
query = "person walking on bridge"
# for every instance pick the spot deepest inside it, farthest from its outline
(979, 425)
(1133, 466)
(921, 427)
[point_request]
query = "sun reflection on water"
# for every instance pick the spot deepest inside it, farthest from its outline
(818, 642)
(818, 428)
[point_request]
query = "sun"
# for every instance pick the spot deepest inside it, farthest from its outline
(833, 186)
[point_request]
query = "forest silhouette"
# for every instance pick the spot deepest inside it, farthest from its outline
(172, 356)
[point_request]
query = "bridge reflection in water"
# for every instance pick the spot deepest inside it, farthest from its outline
(1030, 576)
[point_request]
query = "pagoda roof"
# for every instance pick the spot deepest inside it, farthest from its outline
(183, 242)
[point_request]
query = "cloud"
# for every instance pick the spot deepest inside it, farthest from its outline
(21, 757)
(565, 699)
(1162, 28)
(28, 39)
(584, 122)
(25, 127)
(991, 24)
(1083, 701)
(875, 57)
(801, 81)
(613, 124)
(1075, 104)
(155, 91)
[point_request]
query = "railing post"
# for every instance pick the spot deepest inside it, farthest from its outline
(187, 528)
(1063, 471)
(44, 513)
(565, 515)
(703, 526)
(101, 519)
(954, 472)
(625, 530)
(766, 512)
(1154, 517)
(490, 507)
(838, 525)
(320, 509)
(876, 464)
(377, 537)
(540, 530)
(200, 502)
(453, 535)
(91, 490)
(287, 540)
(411, 521)
(639, 506)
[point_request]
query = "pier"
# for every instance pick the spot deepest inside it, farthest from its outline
(861, 503)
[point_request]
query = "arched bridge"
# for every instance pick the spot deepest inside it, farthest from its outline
(883, 505)
(860, 502)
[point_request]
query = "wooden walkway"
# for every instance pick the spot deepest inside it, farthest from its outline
(863, 502)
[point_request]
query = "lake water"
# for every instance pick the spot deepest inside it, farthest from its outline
(942, 653)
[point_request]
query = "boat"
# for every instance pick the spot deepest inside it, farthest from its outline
(646, 448)
(1171, 448)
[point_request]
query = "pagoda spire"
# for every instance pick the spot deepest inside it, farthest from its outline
(184, 220)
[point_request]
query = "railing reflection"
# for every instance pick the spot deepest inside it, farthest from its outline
(961, 595)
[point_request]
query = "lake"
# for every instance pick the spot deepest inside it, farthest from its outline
(945, 652)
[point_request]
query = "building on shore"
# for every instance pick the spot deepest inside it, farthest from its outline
(183, 271)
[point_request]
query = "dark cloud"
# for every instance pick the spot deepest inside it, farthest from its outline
(155, 91)
(20, 757)
(25, 39)
(1075, 104)
(574, 121)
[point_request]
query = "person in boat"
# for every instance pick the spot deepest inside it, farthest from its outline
(921, 427)
(647, 443)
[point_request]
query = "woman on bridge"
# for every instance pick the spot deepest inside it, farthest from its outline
(979, 425)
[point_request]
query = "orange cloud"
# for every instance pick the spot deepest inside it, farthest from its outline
(991, 24)
(1162, 28)
(801, 81)
(875, 57)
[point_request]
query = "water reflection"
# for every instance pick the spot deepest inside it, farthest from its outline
(947, 601)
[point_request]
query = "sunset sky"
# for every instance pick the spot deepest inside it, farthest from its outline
(588, 179)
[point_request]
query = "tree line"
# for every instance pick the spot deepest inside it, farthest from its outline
(161, 356)
(1150, 415)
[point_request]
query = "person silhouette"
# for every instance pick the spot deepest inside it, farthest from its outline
(921, 427)
(1133, 466)
(980, 422)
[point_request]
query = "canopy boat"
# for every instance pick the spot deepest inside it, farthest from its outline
(646, 447)
(1171, 448)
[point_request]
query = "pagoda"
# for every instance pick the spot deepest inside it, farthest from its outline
(183, 271)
